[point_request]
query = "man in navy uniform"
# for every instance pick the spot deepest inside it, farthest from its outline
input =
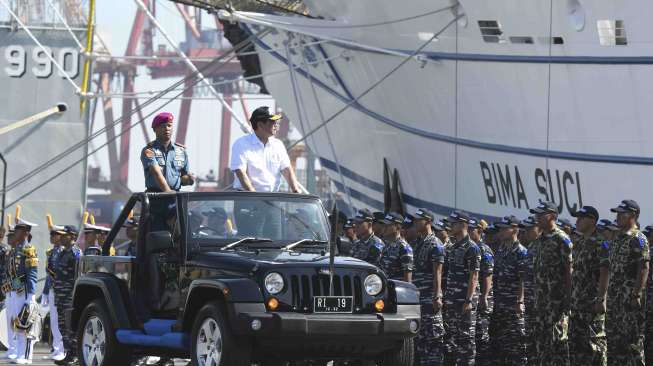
(166, 168)
(369, 246)
(26, 263)
(64, 282)
(427, 276)
(397, 256)
(165, 163)
(461, 293)
(48, 295)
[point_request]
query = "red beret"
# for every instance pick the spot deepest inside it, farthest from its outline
(162, 118)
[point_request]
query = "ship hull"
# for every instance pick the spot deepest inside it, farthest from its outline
(490, 128)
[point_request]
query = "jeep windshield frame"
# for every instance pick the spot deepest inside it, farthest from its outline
(216, 219)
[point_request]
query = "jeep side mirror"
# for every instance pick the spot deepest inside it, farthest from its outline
(158, 241)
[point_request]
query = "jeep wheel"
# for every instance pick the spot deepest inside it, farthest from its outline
(402, 356)
(96, 340)
(212, 341)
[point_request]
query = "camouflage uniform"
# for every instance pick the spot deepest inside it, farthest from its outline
(624, 321)
(552, 255)
(587, 342)
(429, 346)
(649, 313)
(369, 249)
(508, 324)
(5, 253)
(483, 351)
(397, 258)
(463, 258)
(529, 303)
(63, 285)
(48, 291)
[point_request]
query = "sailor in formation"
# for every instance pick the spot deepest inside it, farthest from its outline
(22, 298)
(48, 294)
(594, 307)
(63, 284)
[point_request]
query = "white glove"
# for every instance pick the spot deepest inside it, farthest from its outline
(44, 300)
(31, 299)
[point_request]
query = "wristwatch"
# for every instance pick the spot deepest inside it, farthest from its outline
(437, 297)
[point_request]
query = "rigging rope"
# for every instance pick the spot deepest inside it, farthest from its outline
(45, 50)
(377, 83)
(92, 136)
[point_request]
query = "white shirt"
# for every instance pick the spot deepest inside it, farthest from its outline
(262, 163)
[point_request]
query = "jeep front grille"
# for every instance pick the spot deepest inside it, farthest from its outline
(304, 287)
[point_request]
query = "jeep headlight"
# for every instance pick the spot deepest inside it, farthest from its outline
(274, 283)
(373, 285)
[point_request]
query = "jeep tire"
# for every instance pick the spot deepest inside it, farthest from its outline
(402, 356)
(211, 339)
(96, 338)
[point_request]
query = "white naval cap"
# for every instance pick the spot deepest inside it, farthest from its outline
(22, 223)
(91, 227)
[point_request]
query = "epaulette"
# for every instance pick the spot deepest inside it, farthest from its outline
(49, 251)
(29, 251)
(150, 144)
(180, 145)
(31, 260)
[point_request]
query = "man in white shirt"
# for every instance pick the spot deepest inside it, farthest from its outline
(258, 161)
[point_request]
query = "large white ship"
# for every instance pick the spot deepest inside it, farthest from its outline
(498, 104)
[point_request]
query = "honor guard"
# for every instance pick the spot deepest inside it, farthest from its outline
(397, 256)
(508, 324)
(7, 277)
(648, 231)
(63, 284)
(91, 244)
(530, 232)
(25, 263)
(629, 264)
(369, 246)
(552, 269)
(485, 300)
(427, 276)
(48, 295)
(461, 293)
(131, 232)
(589, 286)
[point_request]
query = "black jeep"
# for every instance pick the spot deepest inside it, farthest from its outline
(235, 278)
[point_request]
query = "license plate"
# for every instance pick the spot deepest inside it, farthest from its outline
(333, 304)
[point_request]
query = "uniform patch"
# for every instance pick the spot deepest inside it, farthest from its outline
(606, 244)
(566, 241)
(148, 153)
(642, 241)
(488, 257)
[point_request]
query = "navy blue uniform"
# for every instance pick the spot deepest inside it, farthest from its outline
(463, 258)
(397, 258)
(429, 251)
(64, 283)
(508, 323)
(368, 249)
(173, 161)
(483, 350)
